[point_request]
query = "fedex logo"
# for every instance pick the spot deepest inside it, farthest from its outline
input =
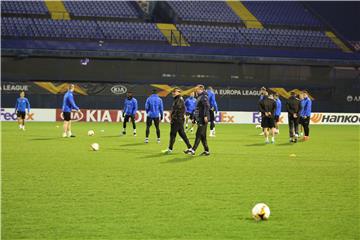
(7, 116)
(256, 117)
(11, 116)
(224, 117)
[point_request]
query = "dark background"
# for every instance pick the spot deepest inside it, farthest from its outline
(328, 84)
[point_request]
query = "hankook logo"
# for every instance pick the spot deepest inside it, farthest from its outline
(118, 89)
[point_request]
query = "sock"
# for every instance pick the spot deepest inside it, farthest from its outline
(214, 131)
(267, 139)
(64, 135)
(69, 133)
(186, 126)
(272, 139)
(134, 130)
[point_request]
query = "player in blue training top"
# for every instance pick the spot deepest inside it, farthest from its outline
(277, 112)
(155, 112)
(129, 112)
(22, 103)
(67, 107)
(190, 105)
(213, 110)
(305, 113)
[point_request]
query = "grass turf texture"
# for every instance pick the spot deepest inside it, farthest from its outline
(58, 188)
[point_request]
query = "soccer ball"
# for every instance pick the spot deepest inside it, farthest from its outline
(95, 146)
(261, 212)
(258, 126)
(91, 133)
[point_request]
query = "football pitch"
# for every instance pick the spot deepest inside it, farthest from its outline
(56, 188)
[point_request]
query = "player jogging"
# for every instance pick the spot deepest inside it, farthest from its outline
(202, 117)
(293, 108)
(277, 112)
(213, 110)
(267, 108)
(129, 112)
(155, 112)
(190, 105)
(22, 103)
(177, 120)
(305, 114)
(68, 106)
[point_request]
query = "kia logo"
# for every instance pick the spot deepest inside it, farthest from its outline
(118, 89)
(75, 116)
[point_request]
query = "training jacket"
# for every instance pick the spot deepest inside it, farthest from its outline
(154, 106)
(69, 103)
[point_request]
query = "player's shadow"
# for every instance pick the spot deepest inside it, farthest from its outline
(179, 159)
(132, 144)
(256, 144)
(44, 139)
(285, 144)
(156, 155)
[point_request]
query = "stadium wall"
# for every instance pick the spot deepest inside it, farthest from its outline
(236, 84)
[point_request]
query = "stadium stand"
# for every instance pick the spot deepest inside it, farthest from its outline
(114, 9)
(130, 31)
(282, 13)
(79, 29)
(24, 7)
(256, 37)
(276, 26)
(204, 11)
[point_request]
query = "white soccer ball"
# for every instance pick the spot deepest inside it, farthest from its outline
(91, 133)
(95, 146)
(260, 212)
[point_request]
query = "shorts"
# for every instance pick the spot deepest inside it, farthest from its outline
(277, 118)
(149, 121)
(267, 122)
(212, 116)
(127, 117)
(21, 114)
(190, 115)
(67, 116)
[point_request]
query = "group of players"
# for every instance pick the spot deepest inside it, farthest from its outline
(298, 108)
(198, 110)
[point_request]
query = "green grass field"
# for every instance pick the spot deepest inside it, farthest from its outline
(55, 188)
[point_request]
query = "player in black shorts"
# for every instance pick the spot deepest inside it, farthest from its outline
(267, 107)
(22, 103)
(190, 105)
(155, 112)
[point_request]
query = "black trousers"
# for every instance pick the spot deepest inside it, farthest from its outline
(178, 127)
(201, 136)
(212, 119)
(293, 125)
(126, 119)
(305, 123)
(149, 121)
